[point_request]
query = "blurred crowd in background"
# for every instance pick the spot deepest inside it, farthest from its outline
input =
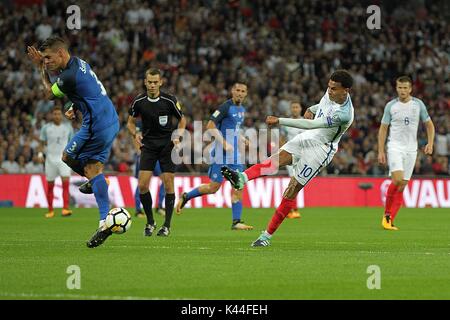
(285, 51)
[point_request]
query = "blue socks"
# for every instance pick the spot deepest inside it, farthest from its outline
(236, 208)
(100, 188)
(193, 194)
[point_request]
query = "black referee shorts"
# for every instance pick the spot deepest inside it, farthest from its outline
(155, 150)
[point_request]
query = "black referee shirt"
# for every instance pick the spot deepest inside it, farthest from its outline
(159, 116)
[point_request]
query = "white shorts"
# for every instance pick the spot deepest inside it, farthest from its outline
(401, 161)
(56, 168)
(308, 159)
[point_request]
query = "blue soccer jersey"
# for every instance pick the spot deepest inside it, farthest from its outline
(81, 86)
(228, 119)
(100, 121)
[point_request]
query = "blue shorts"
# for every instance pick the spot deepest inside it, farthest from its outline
(85, 146)
(214, 171)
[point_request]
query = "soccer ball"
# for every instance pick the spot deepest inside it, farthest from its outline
(118, 220)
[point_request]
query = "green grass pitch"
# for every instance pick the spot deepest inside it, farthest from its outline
(323, 255)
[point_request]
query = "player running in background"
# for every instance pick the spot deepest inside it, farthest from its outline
(159, 113)
(402, 115)
(90, 147)
(55, 136)
(228, 118)
(309, 152)
(290, 133)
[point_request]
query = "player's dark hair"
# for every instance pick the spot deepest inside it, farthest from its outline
(57, 108)
(404, 79)
(54, 42)
(240, 82)
(153, 72)
(343, 77)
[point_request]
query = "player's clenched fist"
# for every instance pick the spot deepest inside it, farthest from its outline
(271, 120)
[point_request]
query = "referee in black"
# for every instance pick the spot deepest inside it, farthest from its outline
(160, 114)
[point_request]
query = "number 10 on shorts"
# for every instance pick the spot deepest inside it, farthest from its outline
(306, 171)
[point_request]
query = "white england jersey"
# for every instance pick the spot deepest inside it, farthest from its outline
(56, 138)
(337, 118)
(403, 120)
(291, 132)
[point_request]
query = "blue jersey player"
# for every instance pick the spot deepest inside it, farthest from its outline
(90, 147)
(228, 120)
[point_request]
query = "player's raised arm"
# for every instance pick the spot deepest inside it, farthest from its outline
(38, 60)
(323, 122)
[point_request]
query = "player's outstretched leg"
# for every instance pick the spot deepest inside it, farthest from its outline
(182, 202)
(267, 167)
(208, 188)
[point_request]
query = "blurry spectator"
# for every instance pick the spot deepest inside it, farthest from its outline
(21, 163)
(10, 165)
